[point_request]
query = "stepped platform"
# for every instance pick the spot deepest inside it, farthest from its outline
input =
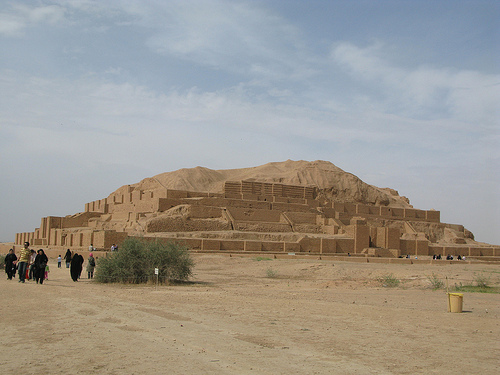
(255, 217)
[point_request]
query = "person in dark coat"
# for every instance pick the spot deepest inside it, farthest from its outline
(81, 264)
(10, 265)
(41, 261)
(76, 267)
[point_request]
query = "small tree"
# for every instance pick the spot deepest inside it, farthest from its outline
(137, 259)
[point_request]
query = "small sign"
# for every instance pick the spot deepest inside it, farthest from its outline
(157, 271)
(291, 253)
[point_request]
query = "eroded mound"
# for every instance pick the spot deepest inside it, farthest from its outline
(333, 182)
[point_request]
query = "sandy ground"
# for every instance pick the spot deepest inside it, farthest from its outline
(311, 317)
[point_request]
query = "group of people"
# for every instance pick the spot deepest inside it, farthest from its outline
(450, 257)
(75, 263)
(29, 265)
(34, 265)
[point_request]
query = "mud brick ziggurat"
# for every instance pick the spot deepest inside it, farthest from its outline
(249, 216)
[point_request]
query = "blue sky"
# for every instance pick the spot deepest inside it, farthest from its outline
(98, 94)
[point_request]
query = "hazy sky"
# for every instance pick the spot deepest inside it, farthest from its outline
(98, 94)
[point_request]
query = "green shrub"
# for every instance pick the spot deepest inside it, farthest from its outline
(480, 284)
(389, 281)
(137, 259)
(482, 281)
(435, 282)
(271, 273)
(475, 289)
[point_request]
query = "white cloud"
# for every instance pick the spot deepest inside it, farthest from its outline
(475, 97)
(363, 62)
(424, 92)
(227, 35)
(50, 14)
(11, 25)
(15, 20)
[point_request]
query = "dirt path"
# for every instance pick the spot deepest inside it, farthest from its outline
(312, 317)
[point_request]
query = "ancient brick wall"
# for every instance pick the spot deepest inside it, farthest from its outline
(252, 189)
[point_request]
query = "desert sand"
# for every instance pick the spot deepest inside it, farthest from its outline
(310, 317)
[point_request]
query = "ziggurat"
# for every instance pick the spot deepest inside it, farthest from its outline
(256, 217)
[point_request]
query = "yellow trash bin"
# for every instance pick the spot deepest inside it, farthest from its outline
(455, 302)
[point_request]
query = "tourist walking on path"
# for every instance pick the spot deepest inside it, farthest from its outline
(90, 266)
(76, 267)
(41, 261)
(59, 260)
(81, 265)
(23, 262)
(31, 275)
(10, 264)
(67, 258)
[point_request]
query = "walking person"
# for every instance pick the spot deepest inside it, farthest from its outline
(90, 266)
(67, 258)
(81, 265)
(41, 261)
(76, 267)
(47, 271)
(23, 262)
(10, 264)
(31, 275)
(59, 260)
